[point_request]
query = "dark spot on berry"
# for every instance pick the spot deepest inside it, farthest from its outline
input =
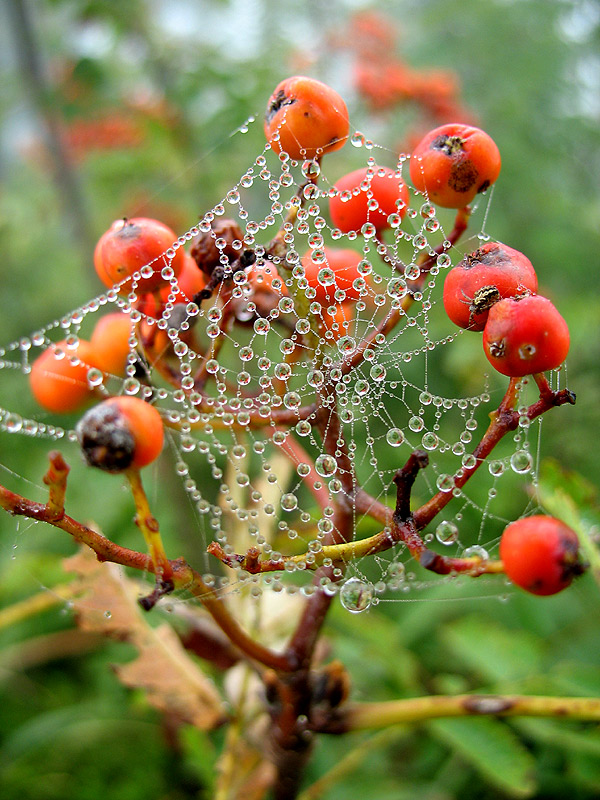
(278, 101)
(105, 439)
(484, 187)
(463, 176)
(450, 145)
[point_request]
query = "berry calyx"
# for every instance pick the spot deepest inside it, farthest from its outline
(337, 270)
(305, 118)
(368, 195)
(58, 376)
(483, 277)
(525, 335)
(540, 554)
(121, 433)
(454, 162)
(137, 245)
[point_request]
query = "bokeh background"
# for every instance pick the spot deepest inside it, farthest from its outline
(113, 109)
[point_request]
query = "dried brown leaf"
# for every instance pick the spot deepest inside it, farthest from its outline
(172, 680)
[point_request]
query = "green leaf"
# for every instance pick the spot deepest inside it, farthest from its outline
(495, 652)
(491, 748)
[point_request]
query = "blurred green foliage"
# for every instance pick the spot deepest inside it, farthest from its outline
(180, 78)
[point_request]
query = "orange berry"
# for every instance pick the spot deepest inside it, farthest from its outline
(121, 433)
(368, 196)
(306, 118)
(454, 162)
(58, 377)
(128, 246)
(110, 342)
(339, 270)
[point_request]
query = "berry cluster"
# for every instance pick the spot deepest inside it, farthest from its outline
(493, 290)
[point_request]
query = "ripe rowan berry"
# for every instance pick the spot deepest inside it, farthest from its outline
(128, 246)
(525, 335)
(121, 433)
(483, 277)
(368, 195)
(305, 118)
(454, 162)
(540, 554)
(110, 342)
(338, 270)
(58, 377)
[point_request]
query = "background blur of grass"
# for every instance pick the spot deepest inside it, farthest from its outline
(145, 96)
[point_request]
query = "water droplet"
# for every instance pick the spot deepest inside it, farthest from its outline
(325, 465)
(476, 551)
(496, 467)
(446, 532)
(445, 483)
(356, 595)
(430, 441)
(394, 437)
(94, 377)
(521, 461)
(416, 424)
(289, 501)
(262, 326)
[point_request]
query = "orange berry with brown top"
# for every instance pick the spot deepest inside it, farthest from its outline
(305, 118)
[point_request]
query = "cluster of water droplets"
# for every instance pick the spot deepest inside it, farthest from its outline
(259, 362)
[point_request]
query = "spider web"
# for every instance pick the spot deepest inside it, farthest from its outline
(247, 447)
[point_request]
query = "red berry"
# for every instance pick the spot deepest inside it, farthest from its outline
(58, 377)
(454, 162)
(525, 335)
(121, 433)
(540, 554)
(338, 270)
(491, 272)
(305, 118)
(368, 195)
(131, 244)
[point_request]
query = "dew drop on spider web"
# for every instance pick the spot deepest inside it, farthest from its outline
(289, 501)
(446, 532)
(496, 467)
(325, 465)
(476, 551)
(416, 424)
(356, 595)
(430, 441)
(445, 483)
(394, 437)
(95, 377)
(521, 461)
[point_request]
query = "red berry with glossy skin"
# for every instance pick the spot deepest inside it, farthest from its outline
(490, 273)
(121, 433)
(58, 377)
(540, 554)
(368, 196)
(525, 335)
(305, 118)
(131, 244)
(339, 270)
(454, 162)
